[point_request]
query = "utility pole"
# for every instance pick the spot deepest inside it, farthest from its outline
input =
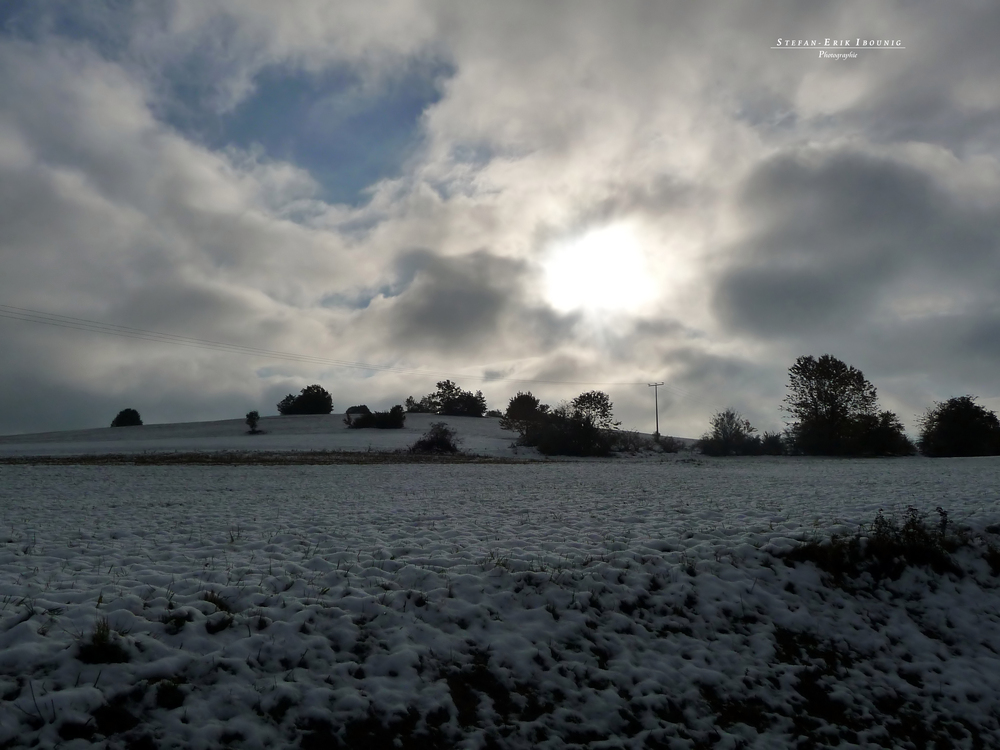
(656, 401)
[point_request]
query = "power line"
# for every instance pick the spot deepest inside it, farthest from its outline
(27, 315)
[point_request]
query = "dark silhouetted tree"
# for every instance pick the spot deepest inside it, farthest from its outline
(772, 444)
(253, 418)
(313, 399)
(731, 435)
(393, 419)
(879, 435)
(825, 397)
(565, 432)
(522, 409)
(959, 427)
(584, 427)
(834, 412)
(596, 406)
(427, 405)
(454, 402)
(127, 418)
(449, 400)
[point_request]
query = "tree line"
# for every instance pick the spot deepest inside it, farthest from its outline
(831, 408)
(833, 411)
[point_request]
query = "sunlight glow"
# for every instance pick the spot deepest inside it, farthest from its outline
(602, 271)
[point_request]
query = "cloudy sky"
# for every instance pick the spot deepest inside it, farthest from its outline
(580, 194)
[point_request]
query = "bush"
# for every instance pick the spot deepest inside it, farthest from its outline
(449, 400)
(455, 402)
(772, 444)
(426, 405)
(959, 427)
(127, 418)
(438, 439)
(312, 400)
(879, 435)
(567, 433)
(669, 444)
(380, 420)
(584, 427)
(731, 435)
(631, 441)
(361, 409)
(252, 419)
(522, 409)
(885, 548)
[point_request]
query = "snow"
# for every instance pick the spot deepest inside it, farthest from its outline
(292, 433)
(628, 602)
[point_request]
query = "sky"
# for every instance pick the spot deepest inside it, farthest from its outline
(550, 197)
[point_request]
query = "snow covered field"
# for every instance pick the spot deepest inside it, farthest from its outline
(606, 603)
(298, 433)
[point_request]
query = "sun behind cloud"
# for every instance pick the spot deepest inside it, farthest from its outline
(604, 270)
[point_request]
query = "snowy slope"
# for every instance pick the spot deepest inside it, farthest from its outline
(293, 433)
(589, 604)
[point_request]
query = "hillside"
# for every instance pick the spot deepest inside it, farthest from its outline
(291, 433)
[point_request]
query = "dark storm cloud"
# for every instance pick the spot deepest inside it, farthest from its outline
(772, 300)
(965, 346)
(34, 403)
(835, 230)
(945, 94)
(461, 303)
(39, 393)
(37, 402)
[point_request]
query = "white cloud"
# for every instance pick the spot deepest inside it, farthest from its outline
(557, 119)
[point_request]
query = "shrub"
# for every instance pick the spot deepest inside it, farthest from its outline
(494, 413)
(731, 435)
(886, 548)
(879, 435)
(584, 427)
(127, 418)
(449, 400)
(252, 419)
(631, 441)
(361, 409)
(959, 427)
(567, 433)
(458, 403)
(438, 439)
(380, 420)
(772, 444)
(426, 405)
(669, 444)
(522, 409)
(312, 400)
